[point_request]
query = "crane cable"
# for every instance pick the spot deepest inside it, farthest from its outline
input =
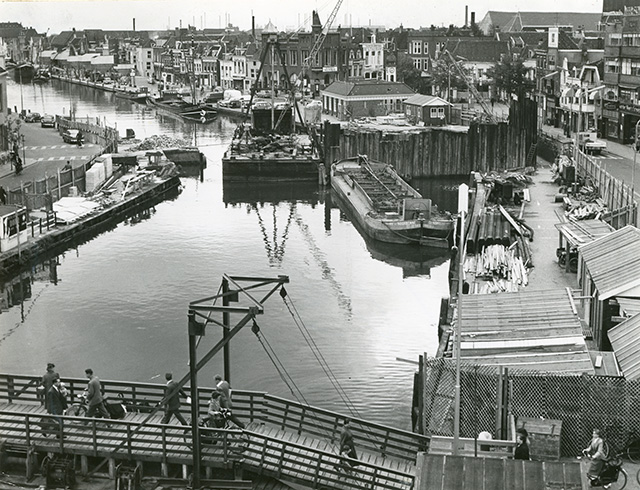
(318, 354)
(277, 363)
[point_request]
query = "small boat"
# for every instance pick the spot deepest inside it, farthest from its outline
(42, 76)
(386, 207)
(24, 72)
(171, 101)
(134, 94)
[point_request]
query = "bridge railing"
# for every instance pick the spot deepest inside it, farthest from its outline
(325, 424)
(302, 464)
(248, 406)
(118, 439)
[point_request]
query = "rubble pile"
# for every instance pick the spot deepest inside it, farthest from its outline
(156, 142)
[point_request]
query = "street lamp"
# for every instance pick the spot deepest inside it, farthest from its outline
(633, 169)
(463, 205)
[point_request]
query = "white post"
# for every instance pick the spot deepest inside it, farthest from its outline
(463, 205)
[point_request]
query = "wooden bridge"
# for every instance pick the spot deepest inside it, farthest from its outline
(282, 439)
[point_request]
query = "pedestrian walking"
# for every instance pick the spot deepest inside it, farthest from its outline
(3, 195)
(225, 399)
(348, 455)
(95, 401)
(56, 402)
(172, 394)
(46, 382)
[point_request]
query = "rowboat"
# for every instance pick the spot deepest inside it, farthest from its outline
(386, 207)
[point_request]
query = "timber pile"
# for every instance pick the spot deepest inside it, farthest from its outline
(500, 268)
(586, 204)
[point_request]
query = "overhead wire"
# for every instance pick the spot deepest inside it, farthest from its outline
(306, 334)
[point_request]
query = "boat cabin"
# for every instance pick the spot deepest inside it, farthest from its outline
(14, 226)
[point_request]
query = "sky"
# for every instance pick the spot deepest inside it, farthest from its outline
(57, 16)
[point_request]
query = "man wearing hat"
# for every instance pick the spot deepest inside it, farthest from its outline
(47, 381)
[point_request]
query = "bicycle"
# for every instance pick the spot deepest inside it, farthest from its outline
(612, 476)
(209, 437)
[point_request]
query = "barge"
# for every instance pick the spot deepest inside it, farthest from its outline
(171, 101)
(81, 221)
(386, 207)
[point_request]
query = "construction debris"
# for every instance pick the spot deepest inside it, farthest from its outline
(156, 142)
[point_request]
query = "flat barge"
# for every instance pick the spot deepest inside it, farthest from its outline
(386, 207)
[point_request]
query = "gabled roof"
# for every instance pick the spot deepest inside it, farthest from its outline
(518, 21)
(62, 40)
(613, 261)
(478, 50)
(368, 88)
(426, 100)
(625, 340)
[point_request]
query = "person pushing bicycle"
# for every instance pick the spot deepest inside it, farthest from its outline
(595, 452)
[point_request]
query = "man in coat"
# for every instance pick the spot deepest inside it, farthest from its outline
(94, 396)
(56, 401)
(172, 394)
(47, 382)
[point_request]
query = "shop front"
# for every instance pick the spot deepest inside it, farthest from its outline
(629, 116)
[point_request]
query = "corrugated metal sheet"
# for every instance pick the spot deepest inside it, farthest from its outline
(613, 261)
(467, 473)
(579, 233)
(631, 306)
(625, 340)
(527, 329)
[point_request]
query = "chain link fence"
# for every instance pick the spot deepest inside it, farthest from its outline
(581, 402)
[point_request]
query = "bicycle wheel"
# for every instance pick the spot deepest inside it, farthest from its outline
(621, 482)
(633, 451)
(76, 410)
(605, 449)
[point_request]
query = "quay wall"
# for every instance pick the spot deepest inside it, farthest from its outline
(44, 246)
(442, 151)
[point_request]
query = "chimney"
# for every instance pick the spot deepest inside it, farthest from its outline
(473, 18)
(253, 26)
(466, 16)
(134, 24)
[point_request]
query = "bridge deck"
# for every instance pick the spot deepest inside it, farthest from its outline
(283, 439)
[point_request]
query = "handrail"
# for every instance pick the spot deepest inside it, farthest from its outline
(248, 406)
(284, 459)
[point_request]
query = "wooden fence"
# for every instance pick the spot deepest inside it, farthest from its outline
(618, 196)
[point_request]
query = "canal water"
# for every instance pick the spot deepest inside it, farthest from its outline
(118, 303)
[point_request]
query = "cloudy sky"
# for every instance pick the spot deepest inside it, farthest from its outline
(159, 14)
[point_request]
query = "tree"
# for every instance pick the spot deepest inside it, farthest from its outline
(409, 74)
(510, 77)
(445, 75)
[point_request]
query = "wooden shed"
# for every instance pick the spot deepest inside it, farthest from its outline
(468, 473)
(13, 226)
(534, 330)
(610, 269)
(574, 234)
(428, 109)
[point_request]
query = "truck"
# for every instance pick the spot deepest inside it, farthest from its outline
(588, 142)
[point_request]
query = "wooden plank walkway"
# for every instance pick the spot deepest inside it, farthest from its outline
(261, 448)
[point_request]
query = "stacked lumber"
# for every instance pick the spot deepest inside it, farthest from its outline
(501, 268)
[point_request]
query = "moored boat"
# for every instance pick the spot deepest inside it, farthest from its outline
(134, 94)
(172, 102)
(386, 207)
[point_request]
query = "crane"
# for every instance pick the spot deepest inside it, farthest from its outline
(471, 87)
(306, 63)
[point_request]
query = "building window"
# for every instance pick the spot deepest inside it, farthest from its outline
(417, 63)
(615, 39)
(626, 66)
(612, 66)
(434, 112)
(416, 47)
(425, 48)
(293, 58)
(441, 112)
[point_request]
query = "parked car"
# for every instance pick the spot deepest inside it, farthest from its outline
(72, 136)
(32, 117)
(48, 121)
